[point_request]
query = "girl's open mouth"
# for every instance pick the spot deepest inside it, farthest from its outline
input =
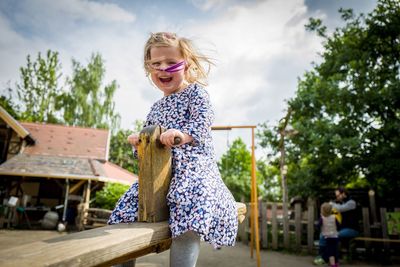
(166, 80)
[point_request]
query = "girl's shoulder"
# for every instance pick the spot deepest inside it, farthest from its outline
(197, 90)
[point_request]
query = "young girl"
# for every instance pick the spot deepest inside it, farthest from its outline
(201, 206)
(329, 230)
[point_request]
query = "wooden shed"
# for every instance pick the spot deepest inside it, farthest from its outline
(48, 165)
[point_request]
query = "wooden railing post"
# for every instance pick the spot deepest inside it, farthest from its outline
(298, 224)
(366, 226)
(310, 225)
(264, 224)
(274, 227)
(154, 175)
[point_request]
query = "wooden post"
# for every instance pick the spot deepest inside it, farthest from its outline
(274, 227)
(372, 205)
(286, 244)
(384, 228)
(243, 231)
(366, 226)
(264, 225)
(298, 225)
(154, 175)
(310, 226)
(283, 170)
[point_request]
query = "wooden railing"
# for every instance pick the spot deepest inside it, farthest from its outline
(302, 227)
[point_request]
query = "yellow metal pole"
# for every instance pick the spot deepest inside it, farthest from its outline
(252, 216)
(255, 203)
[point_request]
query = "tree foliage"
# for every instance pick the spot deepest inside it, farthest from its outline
(12, 109)
(108, 196)
(346, 109)
(121, 150)
(235, 169)
(83, 101)
(87, 103)
(39, 88)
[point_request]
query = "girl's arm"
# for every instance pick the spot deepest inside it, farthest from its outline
(201, 116)
(169, 137)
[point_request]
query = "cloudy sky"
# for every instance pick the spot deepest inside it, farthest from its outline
(260, 46)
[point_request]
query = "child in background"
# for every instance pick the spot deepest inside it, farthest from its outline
(201, 206)
(329, 224)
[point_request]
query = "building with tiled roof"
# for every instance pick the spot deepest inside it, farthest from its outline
(50, 163)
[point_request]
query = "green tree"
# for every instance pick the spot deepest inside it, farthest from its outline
(346, 110)
(84, 101)
(87, 103)
(121, 151)
(270, 181)
(7, 103)
(39, 87)
(235, 169)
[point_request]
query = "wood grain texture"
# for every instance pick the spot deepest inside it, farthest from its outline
(96, 247)
(154, 175)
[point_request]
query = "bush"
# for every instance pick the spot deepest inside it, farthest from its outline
(109, 195)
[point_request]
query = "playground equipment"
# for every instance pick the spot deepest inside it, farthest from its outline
(254, 228)
(119, 243)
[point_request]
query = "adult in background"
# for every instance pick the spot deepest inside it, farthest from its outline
(349, 226)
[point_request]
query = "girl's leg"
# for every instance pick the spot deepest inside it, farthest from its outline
(130, 263)
(185, 250)
(332, 261)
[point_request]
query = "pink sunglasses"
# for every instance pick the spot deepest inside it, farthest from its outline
(174, 68)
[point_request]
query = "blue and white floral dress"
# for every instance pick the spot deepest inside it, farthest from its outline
(198, 199)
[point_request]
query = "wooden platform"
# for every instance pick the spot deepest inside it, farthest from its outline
(102, 246)
(97, 247)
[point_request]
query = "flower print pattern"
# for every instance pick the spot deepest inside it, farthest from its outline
(198, 199)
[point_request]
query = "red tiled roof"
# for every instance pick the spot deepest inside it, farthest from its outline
(114, 171)
(66, 167)
(67, 141)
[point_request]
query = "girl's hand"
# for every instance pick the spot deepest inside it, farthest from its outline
(168, 137)
(133, 139)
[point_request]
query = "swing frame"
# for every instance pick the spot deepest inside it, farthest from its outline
(254, 228)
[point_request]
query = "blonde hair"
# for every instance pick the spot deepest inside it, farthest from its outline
(326, 209)
(194, 59)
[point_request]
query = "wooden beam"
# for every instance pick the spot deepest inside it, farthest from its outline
(233, 127)
(76, 186)
(114, 243)
(103, 246)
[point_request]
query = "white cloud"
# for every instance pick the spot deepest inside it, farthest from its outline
(60, 26)
(49, 11)
(206, 5)
(262, 49)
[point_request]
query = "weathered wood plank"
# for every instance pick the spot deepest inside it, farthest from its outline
(100, 246)
(274, 227)
(298, 225)
(154, 175)
(264, 224)
(366, 225)
(310, 226)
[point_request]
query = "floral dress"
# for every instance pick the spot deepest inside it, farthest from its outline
(198, 199)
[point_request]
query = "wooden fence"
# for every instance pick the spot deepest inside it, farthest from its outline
(302, 234)
(271, 220)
